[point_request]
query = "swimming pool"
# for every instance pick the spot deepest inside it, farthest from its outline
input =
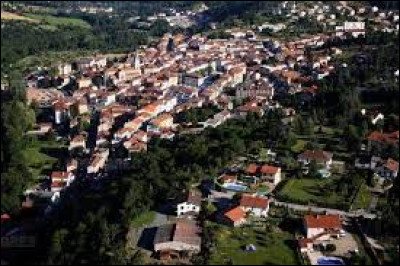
(234, 187)
(330, 261)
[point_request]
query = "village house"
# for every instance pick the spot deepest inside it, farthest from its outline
(271, 174)
(254, 205)
(234, 217)
(388, 169)
(60, 180)
(78, 141)
(174, 241)
(72, 165)
(321, 157)
(322, 227)
(189, 205)
(98, 162)
(265, 173)
(383, 138)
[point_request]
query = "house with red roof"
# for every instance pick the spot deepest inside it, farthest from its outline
(234, 217)
(63, 177)
(319, 156)
(254, 205)
(322, 227)
(265, 173)
(383, 138)
(271, 174)
(388, 169)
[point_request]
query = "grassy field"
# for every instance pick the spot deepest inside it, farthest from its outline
(12, 16)
(299, 146)
(58, 21)
(38, 162)
(143, 219)
(273, 248)
(363, 198)
(314, 191)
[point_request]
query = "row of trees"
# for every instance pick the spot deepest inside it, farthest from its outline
(16, 119)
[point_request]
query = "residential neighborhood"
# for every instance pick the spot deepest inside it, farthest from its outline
(236, 134)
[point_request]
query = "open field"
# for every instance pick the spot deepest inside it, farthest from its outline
(311, 191)
(276, 247)
(11, 16)
(59, 21)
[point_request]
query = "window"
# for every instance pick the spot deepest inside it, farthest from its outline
(182, 207)
(194, 208)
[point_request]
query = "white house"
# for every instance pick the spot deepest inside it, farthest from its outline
(271, 174)
(256, 206)
(388, 170)
(322, 226)
(319, 156)
(190, 205)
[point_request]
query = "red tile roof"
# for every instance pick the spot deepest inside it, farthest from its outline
(235, 214)
(317, 155)
(269, 169)
(392, 165)
(252, 169)
(323, 221)
(390, 138)
(254, 202)
(59, 175)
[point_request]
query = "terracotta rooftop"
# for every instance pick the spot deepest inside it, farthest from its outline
(269, 169)
(317, 155)
(252, 169)
(254, 202)
(323, 221)
(235, 214)
(392, 165)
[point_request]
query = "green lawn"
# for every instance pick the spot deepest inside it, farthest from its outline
(314, 191)
(59, 21)
(299, 146)
(363, 198)
(38, 162)
(143, 219)
(272, 248)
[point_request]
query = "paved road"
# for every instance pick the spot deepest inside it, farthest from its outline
(320, 210)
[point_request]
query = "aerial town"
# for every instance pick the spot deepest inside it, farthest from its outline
(260, 145)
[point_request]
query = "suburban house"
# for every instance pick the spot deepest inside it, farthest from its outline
(190, 205)
(388, 169)
(366, 161)
(382, 138)
(256, 206)
(72, 165)
(174, 241)
(234, 217)
(60, 179)
(322, 226)
(319, 156)
(98, 162)
(265, 173)
(78, 141)
(271, 174)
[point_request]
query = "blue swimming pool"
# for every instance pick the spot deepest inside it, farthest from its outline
(330, 261)
(234, 187)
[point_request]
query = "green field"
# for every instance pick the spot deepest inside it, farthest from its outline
(311, 191)
(299, 146)
(59, 21)
(38, 162)
(363, 198)
(143, 219)
(276, 248)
